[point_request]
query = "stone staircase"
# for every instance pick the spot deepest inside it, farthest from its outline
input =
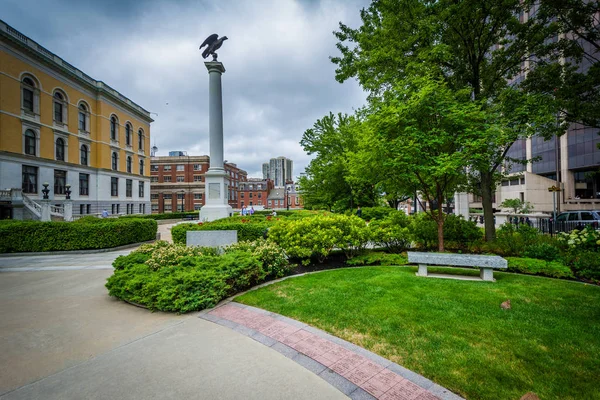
(26, 208)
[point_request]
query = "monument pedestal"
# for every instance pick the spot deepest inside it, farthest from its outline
(216, 205)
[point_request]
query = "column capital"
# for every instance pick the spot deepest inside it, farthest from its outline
(215, 66)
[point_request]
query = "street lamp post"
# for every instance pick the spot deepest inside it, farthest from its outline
(554, 190)
(182, 199)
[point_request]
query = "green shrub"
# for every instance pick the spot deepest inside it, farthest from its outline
(585, 239)
(201, 283)
(173, 215)
(378, 258)
(458, 232)
(316, 237)
(373, 213)
(273, 258)
(533, 266)
(512, 240)
(245, 230)
(542, 251)
(130, 260)
(423, 230)
(35, 236)
(585, 264)
(392, 232)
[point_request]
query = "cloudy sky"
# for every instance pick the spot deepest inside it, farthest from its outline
(278, 82)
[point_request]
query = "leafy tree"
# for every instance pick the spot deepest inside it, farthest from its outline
(327, 183)
(476, 44)
(424, 130)
(517, 205)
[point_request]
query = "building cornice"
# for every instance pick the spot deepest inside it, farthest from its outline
(50, 59)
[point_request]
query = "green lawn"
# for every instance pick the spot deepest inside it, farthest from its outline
(454, 332)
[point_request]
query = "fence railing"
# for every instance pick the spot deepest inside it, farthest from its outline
(548, 226)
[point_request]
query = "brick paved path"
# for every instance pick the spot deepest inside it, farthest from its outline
(355, 371)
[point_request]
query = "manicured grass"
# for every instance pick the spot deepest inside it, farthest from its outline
(454, 332)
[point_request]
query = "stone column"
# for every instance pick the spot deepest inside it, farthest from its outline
(216, 182)
(461, 204)
(45, 210)
(68, 210)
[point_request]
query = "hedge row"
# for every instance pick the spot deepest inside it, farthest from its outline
(246, 231)
(34, 236)
(173, 215)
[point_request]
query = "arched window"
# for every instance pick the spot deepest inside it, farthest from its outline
(84, 154)
(30, 143)
(60, 107)
(83, 117)
(141, 167)
(28, 89)
(60, 149)
(129, 164)
(128, 133)
(114, 124)
(141, 140)
(115, 161)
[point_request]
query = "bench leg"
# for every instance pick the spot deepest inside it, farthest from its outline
(422, 270)
(487, 274)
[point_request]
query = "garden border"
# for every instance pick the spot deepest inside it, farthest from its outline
(352, 390)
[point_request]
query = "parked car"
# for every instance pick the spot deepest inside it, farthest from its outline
(569, 220)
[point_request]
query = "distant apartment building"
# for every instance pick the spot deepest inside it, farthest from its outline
(279, 170)
(177, 182)
(254, 192)
(61, 127)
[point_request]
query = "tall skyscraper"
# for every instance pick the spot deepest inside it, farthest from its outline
(279, 170)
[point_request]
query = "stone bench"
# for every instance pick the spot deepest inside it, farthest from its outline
(486, 264)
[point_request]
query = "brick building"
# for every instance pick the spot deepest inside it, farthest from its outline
(254, 192)
(177, 182)
(287, 197)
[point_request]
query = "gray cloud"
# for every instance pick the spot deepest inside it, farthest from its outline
(279, 79)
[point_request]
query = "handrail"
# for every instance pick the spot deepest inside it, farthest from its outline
(32, 205)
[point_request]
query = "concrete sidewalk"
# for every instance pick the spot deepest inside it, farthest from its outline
(63, 337)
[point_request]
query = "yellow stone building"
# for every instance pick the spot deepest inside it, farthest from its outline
(60, 126)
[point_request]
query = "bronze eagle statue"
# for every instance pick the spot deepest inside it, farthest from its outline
(212, 43)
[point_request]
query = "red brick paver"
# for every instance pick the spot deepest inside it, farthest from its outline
(380, 382)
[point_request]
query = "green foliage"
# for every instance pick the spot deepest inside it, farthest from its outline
(585, 239)
(512, 240)
(517, 206)
(378, 258)
(328, 183)
(371, 213)
(586, 264)
(458, 232)
(246, 230)
(173, 215)
(130, 259)
(34, 236)
(317, 237)
(201, 283)
(424, 231)
(531, 266)
(273, 258)
(392, 232)
(542, 251)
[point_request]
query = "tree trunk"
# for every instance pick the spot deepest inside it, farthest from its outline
(487, 200)
(440, 219)
(440, 224)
